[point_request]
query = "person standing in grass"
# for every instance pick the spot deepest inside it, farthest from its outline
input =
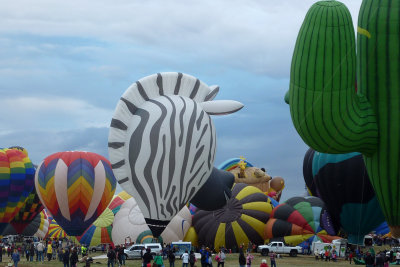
(74, 257)
(185, 259)
(272, 256)
(264, 263)
(158, 260)
(15, 257)
(171, 258)
(249, 259)
(242, 258)
(49, 252)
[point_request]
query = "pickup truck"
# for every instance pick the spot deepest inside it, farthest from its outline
(278, 248)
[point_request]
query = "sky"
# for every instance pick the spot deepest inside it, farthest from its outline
(65, 64)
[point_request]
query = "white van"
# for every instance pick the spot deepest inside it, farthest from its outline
(135, 251)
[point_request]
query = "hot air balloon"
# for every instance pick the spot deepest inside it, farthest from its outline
(342, 182)
(327, 111)
(162, 142)
(245, 172)
(41, 222)
(16, 174)
(240, 221)
(100, 231)
(178, 226)
(300, 220)
(191, 236)
(55, 230)
(216, 190)
(28, 212)
(75, 188)
(129, 223)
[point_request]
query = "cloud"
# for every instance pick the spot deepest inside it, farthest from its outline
(253, 35)
(51, 113)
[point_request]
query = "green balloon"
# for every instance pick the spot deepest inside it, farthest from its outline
(329, 113)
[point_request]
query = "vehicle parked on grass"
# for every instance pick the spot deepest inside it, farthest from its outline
(135, 251)
(278, 248)
(180, 247)
(101, 247)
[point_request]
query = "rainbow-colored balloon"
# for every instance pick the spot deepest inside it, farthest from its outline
(55, 231)
(16, 182)
(100, 231)
(28, 212)
(75, 187)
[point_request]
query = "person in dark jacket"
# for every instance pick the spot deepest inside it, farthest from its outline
(369, 260)
(171, 258)
(65, 257)
(147, 257)
(242, 258)
(111, 255)
(74, 257)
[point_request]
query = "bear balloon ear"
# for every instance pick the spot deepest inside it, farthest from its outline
(221, 107)
(213, 93)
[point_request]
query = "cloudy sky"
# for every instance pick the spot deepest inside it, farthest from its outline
(65, 64)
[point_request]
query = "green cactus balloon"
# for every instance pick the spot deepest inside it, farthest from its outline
(329, 113)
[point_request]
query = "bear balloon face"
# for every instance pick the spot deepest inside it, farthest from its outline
(162, 142)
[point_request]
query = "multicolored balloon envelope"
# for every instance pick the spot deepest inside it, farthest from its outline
(342, 182)
(75, 188)
(100, 231)
(17, 182)
(241, 220)
(41, 223)
(28, 212)
(162, 142)
(298, 220)
(55, 230)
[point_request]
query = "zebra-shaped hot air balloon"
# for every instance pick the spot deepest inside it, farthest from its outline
(162, 142)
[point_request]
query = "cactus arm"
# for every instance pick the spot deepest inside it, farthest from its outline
(326, 111)
(378, 66)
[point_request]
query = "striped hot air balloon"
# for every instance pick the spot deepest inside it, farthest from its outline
(162, 142)
(300, 220)
(55, 230)
(100, 231)
(75, 187)
(28, 212)
(41, 223)
(240, 221)
(17, 181)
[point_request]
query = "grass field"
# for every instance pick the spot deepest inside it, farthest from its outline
(231, 261)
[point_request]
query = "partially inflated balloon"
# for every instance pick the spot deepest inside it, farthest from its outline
(75, 188)
(178, 226)
(55, 231)
(162, 142)
(41, 223)
(241, 220)
(100, 231)
(17, 182)
(215, 192)
(342, 182)
(28, 212)
(300, 219)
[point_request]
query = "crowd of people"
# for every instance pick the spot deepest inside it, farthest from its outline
(62, 250)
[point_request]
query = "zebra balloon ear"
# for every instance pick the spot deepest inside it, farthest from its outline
(221, 107)
(213, 93)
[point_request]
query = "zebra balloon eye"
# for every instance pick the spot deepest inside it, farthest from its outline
(162, 142)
